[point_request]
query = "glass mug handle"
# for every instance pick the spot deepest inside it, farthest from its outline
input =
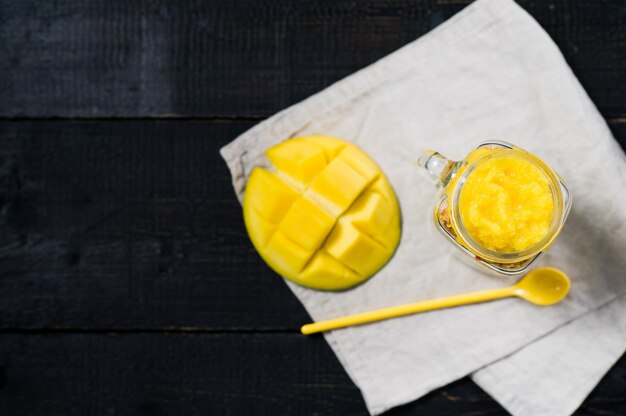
(439, 167)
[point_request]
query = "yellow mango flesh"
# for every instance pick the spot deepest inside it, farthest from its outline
(326, 217)
(506, 204)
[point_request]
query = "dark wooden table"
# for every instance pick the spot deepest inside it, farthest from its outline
(127, 282)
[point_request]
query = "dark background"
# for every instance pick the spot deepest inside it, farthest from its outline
(128, 285)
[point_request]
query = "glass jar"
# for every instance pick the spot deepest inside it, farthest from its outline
(452, 176)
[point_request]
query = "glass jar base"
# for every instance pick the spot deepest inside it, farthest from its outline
(444, 225)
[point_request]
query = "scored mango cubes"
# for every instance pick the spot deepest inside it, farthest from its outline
(326, 218)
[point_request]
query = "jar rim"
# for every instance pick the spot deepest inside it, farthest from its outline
(556, 220)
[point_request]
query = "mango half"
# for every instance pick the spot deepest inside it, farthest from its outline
(326, 217)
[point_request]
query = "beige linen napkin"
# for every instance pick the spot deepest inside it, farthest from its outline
(552, 376)
(489, 72)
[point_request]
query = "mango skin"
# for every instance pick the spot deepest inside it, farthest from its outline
(326, 218)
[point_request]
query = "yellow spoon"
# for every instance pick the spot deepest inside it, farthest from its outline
(544, 286)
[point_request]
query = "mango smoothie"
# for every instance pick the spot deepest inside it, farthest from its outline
(506, 204)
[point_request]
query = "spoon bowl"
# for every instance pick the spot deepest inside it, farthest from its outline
(544, 286)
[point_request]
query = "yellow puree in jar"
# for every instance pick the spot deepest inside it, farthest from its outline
(506, 204)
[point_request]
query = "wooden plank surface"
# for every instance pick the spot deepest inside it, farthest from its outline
(131, 224)
(213, 374)
(100, 58)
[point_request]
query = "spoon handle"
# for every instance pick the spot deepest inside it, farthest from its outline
(408, 309)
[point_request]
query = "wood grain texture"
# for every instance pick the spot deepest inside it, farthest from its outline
(215, 374)
(101, 58)
(131, 225)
